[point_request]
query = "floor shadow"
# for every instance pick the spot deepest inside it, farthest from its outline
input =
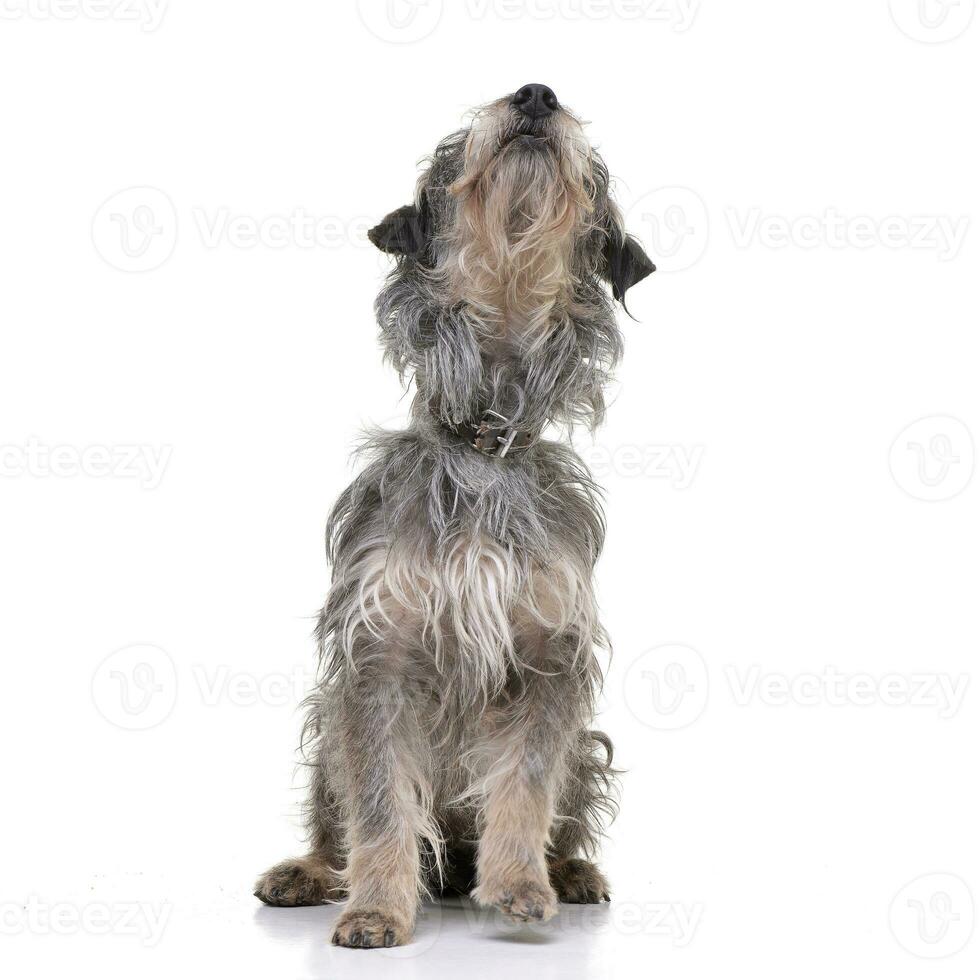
(454, 938)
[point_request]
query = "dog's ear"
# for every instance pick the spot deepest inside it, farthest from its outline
(626, 262)
(403, 232)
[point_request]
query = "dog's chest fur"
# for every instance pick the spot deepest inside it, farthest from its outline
(467, 558)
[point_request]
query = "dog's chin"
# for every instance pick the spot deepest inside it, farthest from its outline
(514, 149)
(525, 145)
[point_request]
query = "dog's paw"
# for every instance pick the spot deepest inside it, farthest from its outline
(371, 928)
(520, 901)
(299, 881)
(578, 882)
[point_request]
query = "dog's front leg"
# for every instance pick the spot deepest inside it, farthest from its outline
(386, 775)
(527, 748)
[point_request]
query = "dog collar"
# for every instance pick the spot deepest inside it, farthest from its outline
(492, 436)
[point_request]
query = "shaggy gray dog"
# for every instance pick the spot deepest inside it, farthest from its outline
(449, 733)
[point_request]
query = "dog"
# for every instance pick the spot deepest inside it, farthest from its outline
(448, 734)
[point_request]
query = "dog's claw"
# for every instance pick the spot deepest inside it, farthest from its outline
(370, 929)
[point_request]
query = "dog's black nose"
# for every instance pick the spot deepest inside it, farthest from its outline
(535, 101)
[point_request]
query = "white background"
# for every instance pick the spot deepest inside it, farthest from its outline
(774, 524)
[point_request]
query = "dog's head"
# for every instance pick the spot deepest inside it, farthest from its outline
(499, 296)
(514, 213)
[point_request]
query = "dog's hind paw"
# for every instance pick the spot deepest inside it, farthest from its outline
(299, 881)
(578, 882)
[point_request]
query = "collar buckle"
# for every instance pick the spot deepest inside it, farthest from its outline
(495, 438)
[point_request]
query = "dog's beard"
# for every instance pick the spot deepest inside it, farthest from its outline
(521, 204)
